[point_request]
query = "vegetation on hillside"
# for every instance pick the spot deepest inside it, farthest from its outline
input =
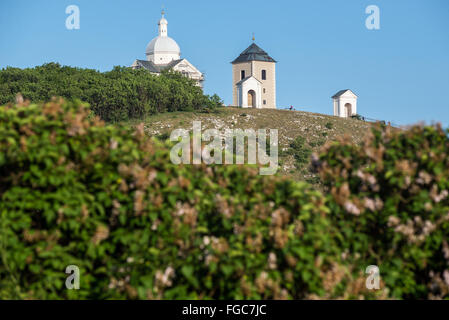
(299, 151)
(117, 95)
(74, 191)
(314, 129)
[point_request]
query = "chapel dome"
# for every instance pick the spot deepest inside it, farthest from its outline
(163, 45)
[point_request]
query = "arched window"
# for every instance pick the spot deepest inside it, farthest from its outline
(264, 75)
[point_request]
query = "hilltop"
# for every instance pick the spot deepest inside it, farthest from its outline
(315, 129)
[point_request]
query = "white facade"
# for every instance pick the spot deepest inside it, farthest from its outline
(188, 70)
(345, 103)
(249, 91)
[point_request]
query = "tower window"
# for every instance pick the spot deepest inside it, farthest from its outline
(265, 102)
(263, 90)
(264, 75)
(243, 74)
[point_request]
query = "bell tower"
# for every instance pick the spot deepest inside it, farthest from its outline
(254, 79)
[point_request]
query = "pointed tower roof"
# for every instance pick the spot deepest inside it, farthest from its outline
(253, 53)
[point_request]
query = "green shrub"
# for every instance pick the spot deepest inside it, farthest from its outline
(329, 125)
(389, 198)
(317, 143)
(74, 191)
(359, 117)
(116, 95)
(300, 152)
(163, 136)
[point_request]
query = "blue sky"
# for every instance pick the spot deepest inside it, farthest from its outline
(400, 72)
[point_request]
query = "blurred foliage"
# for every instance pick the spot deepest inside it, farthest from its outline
(74, 191)
(389, 199)
(117, 95)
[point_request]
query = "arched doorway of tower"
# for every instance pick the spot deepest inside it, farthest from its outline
(251, 98)
(348, 110)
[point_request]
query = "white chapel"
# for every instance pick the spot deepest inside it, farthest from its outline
(345, 103)
(163, 53)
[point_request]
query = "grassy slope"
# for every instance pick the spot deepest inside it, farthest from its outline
(290, 124)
